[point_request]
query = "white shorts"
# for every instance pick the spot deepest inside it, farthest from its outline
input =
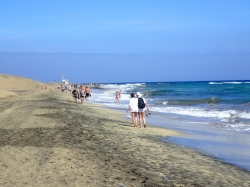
(141, 110)
(134, 109)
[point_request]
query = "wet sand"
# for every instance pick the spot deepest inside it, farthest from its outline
(47, 140)
(229, 146)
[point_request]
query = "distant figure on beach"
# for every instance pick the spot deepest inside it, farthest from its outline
(141, 108)
(120, 94)
(75, 94)
(133, 108)
(87, 93)
(69, 88)
(62, 88)
(117, 96)
(82, 94)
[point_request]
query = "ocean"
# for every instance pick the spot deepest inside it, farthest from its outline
(214, 114)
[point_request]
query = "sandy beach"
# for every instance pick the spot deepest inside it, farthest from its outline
(48, 140)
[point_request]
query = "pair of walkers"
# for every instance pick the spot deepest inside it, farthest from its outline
(137, 107)
(78, 94)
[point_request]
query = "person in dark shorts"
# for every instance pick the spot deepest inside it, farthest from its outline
(75, 94)
(87, 93)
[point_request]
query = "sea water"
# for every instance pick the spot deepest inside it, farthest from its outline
(216, 114)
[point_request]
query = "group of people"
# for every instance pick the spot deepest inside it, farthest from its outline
(81, 93)
(137, 106)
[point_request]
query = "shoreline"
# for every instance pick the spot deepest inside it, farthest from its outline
(227, 146)
(48, 140)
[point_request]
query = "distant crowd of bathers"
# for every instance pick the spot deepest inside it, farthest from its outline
(79, 91)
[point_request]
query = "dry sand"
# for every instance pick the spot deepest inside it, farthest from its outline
(11, 86)
(9, 82)
(47, 140)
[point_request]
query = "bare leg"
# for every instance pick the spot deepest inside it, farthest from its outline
(140, 118)
(134, 118)
(144, 120)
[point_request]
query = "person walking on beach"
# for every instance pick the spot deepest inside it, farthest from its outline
(141, 108)
(82, 94)
(75, 94)
(120, 94)
(117, 97)
(87, 93)
(133, 108)
(62, 88)
(69, 88)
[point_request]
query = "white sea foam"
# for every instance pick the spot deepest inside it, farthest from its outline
(245, 115)
(240, 127)
(235, 82)
(120, 86)
(202, 113)
(193, 122)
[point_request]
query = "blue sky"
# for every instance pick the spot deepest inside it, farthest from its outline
(108, 41)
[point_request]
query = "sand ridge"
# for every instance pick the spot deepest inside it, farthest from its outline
(10, 82)
(11, 86)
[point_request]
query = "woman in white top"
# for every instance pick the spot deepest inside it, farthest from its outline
(133, 108)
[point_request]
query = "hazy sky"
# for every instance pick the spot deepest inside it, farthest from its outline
(111, 41)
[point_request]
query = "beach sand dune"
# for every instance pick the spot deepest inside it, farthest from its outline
(10, 82)
(47, 140)
(12, 86)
